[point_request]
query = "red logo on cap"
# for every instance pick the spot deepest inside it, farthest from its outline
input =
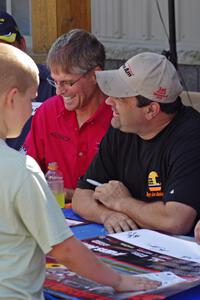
(160, 93)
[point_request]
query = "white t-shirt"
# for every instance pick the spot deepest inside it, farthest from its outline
(31, 222)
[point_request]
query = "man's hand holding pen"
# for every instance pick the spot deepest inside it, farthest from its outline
(112, 194)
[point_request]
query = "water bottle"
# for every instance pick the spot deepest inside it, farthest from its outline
(55, 181)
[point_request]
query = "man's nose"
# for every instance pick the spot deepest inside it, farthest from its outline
(59, 89)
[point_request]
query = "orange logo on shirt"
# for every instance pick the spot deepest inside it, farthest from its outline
(154, 185)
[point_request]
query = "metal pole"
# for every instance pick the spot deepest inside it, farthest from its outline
(172, 32)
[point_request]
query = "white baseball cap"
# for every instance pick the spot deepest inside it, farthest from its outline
(150, 75)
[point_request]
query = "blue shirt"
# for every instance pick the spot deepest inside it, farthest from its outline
(45, 91)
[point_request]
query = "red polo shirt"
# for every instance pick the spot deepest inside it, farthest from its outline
(56, 136)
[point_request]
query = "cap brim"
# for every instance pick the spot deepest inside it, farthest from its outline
(10, 38)
(112, 84)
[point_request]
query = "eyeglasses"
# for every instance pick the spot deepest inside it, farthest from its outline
(66, 83)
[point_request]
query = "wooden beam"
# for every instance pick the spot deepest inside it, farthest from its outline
(51, 18)
(44, 24)
(73, 14)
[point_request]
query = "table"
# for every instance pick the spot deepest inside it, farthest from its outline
(84, 231)
(93, 229)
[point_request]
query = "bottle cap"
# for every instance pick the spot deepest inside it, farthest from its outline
(53, 166)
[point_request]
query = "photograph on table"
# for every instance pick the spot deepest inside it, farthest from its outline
(176, 274)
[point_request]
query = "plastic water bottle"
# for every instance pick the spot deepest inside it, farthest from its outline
(55, 181)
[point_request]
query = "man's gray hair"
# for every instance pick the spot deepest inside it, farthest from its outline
(76, 51)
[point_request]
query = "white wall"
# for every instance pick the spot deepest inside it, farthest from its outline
(127, 27)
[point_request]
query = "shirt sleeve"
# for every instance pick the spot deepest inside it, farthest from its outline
(40, 213)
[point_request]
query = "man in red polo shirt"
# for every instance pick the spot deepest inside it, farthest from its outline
(68, 128)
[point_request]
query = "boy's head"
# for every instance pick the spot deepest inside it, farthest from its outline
(19, 80)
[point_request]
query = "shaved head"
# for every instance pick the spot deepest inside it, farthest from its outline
(18, 70)
(19, 79)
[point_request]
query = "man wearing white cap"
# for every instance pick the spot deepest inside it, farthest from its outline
(149, 162)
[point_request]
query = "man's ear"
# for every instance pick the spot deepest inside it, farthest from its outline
(151, 110)
(97, 68)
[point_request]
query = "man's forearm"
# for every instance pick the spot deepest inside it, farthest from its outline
(87, 207)
(171, 217)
